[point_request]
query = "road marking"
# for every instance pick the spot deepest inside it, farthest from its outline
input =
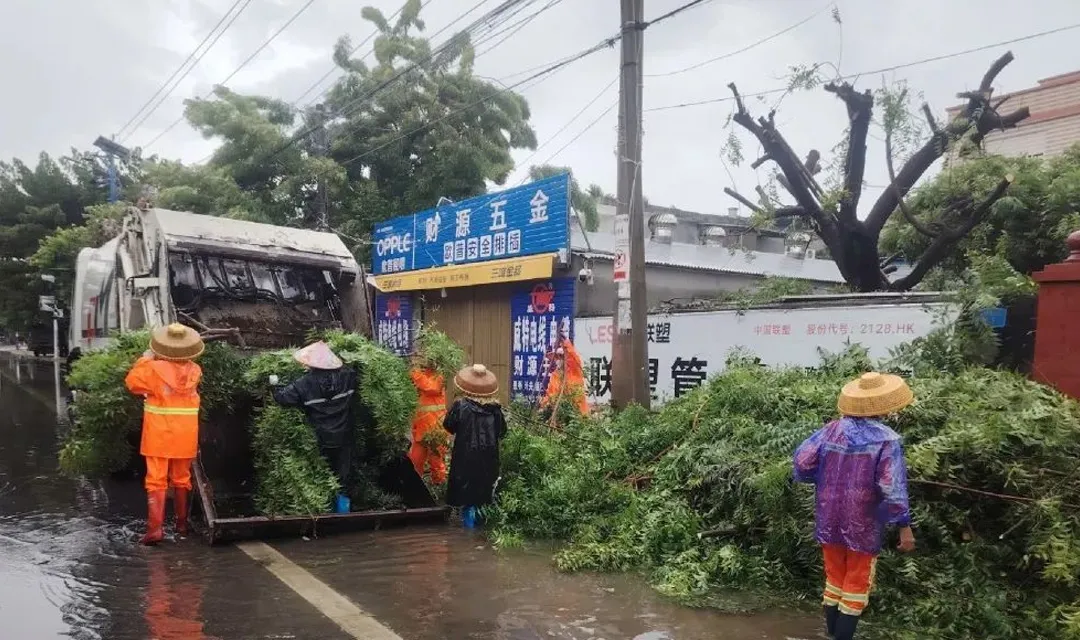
(344, 612)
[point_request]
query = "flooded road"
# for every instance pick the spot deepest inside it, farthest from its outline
(70, 567)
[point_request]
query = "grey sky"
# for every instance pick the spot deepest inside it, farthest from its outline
(79, 68)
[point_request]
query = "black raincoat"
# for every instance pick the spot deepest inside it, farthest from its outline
(474, 464)
(326, 398)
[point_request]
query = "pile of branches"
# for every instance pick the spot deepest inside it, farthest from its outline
(291, 476)
(699, 497)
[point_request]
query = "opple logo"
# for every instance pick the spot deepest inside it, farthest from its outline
(397, 243)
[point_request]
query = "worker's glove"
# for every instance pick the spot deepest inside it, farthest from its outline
(273, 379)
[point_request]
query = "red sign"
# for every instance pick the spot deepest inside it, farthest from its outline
(393, 307)
(541, 298)
(622, 267)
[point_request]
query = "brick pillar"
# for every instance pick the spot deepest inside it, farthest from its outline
(1057, 328)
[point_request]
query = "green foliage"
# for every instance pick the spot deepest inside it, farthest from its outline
(437, 348)
(291, 476)
(1027, 227)
(698, 496)
(583, 202)
(106, 414)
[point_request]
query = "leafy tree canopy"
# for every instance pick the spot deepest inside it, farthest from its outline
(583, 202)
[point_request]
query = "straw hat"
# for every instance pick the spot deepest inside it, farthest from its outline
(476, 382)
(176, 342)
(318, 355)
(874, 394)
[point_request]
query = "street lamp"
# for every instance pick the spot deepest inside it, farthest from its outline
(48, 303)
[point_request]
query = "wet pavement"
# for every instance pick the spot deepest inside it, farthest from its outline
(70, 567)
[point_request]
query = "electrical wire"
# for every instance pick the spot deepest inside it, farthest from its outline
(748, 47)
(352, 51)
(547, 72)
(571, 141)
(238, 69)
(905, 65)
(513, 29)
(194, 58)
(569, 122)
(355, 105)
(674, 12)
(180, 68)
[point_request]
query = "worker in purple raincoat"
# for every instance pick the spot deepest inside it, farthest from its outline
(857, 465)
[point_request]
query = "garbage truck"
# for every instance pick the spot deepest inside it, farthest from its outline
(258, 286)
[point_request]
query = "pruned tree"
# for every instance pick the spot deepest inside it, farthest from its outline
(833, 213)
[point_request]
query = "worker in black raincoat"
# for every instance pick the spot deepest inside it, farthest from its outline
(325, 394)
(477, 423)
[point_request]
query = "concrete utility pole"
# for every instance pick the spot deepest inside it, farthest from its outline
(321, 145)
(629, 350)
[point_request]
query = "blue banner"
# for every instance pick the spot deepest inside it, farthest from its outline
(524, 221)
(393, 322)
(541, 314)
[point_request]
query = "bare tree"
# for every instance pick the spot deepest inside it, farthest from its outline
(852, 242)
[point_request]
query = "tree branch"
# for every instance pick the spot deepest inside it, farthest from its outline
(778, 212)
(908, 215)
(978, 112)
(744, 200)
(860, 108)
(946, 240)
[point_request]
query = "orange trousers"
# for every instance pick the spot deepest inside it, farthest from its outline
(162, 473)
(427, 420)
(849, 577)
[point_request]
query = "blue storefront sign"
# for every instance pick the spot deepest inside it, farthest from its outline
(541, 313)
(523, 221)
(393, 322)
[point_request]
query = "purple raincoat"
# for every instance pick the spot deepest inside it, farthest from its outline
(857, 466)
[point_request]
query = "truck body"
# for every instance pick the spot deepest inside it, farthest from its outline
(260, 286)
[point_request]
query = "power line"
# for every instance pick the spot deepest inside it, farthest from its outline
(195, 63)
(237, 70)
(355, 105)
(587, 128)
(545, 72)
(352, 51)
(569, 122)
(183, 64)
(748, 47)
(674, 12)
(897, 67)
(514, 28)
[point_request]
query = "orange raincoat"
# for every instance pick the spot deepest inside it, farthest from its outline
(429, 416)
(575, 380)
(170, 435)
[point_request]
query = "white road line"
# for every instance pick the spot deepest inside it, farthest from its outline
(344, 612)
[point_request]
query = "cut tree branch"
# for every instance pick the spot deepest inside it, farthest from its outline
(860, 107)
(946, 240)
(978, 113)
(908, 215)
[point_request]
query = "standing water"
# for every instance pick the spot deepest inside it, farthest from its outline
(70, 567)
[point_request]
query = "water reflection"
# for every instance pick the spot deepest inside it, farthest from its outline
(174, 600)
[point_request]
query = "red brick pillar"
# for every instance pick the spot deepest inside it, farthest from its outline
(1057, 328)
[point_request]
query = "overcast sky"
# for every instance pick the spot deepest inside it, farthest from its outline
(79, 68)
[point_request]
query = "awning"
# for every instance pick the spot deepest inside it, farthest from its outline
(468, 275)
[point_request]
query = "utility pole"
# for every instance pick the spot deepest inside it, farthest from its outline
(112, 151)
(629, 349)
(320, 144)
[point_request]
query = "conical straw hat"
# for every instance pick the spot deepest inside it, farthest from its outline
(176, 342)
(477, 382)
(874, 394)
(318, 355)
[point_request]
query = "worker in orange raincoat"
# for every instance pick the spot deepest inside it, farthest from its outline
(566, 364)
(429, 416)
(169, 381)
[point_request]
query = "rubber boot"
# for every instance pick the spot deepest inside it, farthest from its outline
(468, 517)
(155, 517)
(180, 506)
(342, 504)
(845, 626)
(831, 614)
